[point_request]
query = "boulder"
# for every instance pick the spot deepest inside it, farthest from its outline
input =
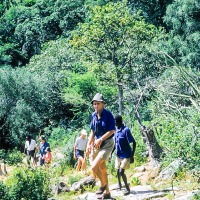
(87, 181)
(170, 170)
(60, 187)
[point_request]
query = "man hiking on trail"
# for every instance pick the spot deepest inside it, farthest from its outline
(125, 154)
(102, 129)
(30, 147)
(79, 148)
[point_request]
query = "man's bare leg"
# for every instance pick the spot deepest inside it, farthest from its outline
(103, 171)
(78, 165)
(83, 166)
(99, 168)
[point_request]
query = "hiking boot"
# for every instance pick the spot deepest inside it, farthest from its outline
(127, 192)
(104, 196)
(101, 190)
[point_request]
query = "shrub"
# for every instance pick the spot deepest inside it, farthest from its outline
(11, 157)
(135, 181)
(3, 191)
(179, 138)
(14, 157)
(28, 184)
(74, 178)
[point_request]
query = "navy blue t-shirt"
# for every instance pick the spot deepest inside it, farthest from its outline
(103, 125)
(123, 138)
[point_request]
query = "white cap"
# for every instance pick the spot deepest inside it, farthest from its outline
(83, 132)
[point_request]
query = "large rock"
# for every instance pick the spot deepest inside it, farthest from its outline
(170, 170)
(146, 173)
(60, 187)
(87, 181)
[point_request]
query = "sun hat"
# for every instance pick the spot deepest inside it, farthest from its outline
(83, 132)
(98, 97)
(42, 137)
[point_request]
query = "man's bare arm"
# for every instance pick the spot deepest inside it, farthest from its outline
(98, 142)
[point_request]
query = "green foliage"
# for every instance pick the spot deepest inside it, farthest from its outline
(69, 149)
(29, 2)
(27, 24)
(180, 141)
(153, 10)
(80, 87)
(56, 56)
(111, 165)
(117, 44)
(74, 178)
(64, 139)
(196, 196)
(29, 184)
(14, 157)
(11, 157)
(135, 181)
(3, 191)
(182, 17)
(176, 113)
(28, 100)
(59, 136)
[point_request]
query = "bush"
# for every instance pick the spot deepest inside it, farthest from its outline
(179, 138)
(28, 184)
(3, 191)
(135, 181)
(69, 149)
(11, 157)
(14, 157)
(58, 137)
(74, 178)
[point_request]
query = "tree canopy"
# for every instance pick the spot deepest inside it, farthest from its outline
(143, 56)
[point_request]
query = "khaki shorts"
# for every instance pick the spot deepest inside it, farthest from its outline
(103, 152)
(122, 163)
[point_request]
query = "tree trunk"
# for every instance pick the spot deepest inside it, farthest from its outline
(120, 98)
(150, 140)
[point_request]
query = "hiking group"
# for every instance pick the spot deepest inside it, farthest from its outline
(31, 148)
(107, 135)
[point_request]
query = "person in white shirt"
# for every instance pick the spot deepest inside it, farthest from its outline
(30, 146)
(79, 149)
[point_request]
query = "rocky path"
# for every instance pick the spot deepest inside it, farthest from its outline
(141, 193)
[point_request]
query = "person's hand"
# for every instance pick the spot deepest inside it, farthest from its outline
(97, 143)
(74, 157)
(88, 149)
(132, 159)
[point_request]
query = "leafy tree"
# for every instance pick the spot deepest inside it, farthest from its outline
(115, 40)
(182, 18)
(26, 25)
(79, 84)
(175, 110)
(57, 56)
(28, 101)
(153, 10)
